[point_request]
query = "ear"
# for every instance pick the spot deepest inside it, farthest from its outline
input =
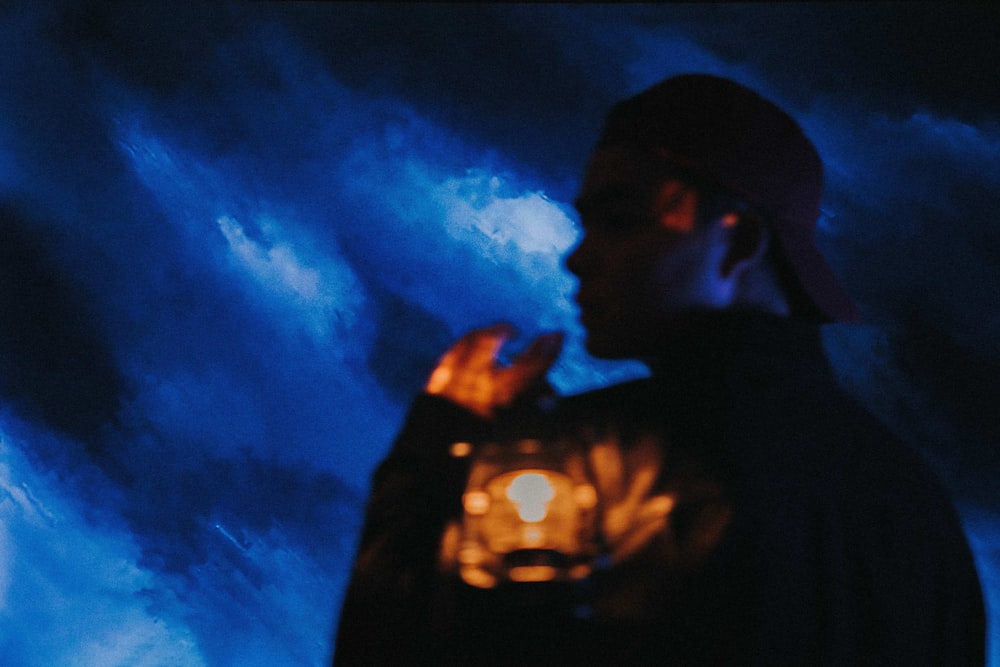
(746, 241)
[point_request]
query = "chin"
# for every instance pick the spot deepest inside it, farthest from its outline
(612, 347)
(602, 352)
(643, 338)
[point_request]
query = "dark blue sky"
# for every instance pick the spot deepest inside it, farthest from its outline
(234, 238)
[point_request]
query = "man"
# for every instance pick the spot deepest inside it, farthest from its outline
(750, 513)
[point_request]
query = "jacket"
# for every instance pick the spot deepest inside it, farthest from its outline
(752, 514)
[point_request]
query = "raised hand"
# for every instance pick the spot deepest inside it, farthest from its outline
(470, 375)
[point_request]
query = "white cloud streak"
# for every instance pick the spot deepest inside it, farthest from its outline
(326, 294)
(71, 591)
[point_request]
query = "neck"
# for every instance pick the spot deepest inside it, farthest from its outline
(694, 338)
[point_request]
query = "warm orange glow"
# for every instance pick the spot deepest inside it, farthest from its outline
(530, 511)
(676, 204)
(585, 496)
(659, 506)
(529, 446)
(533, 573)
(476, 502)
(471, 555)
(478, 577)
(438, 380)
(531, 492)
(525, 509)
(460, 449)
(532, 536)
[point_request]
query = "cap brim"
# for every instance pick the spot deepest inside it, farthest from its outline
(816, 276)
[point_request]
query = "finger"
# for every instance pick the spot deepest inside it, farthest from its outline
(441, 376)
(472, 353)
(478, 343)
(608, 467)
(485, 344)
(545, 346)
(637, 537)
(541, 354)
(531, 365)
(644, 462)
(525, 374)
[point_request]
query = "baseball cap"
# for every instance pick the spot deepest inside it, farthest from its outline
(730, 137)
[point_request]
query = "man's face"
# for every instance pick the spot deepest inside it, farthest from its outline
(643, 259)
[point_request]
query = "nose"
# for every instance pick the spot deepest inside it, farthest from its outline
(580, 259)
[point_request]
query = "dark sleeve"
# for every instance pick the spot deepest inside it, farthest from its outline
(414, 492)
(867, 564)
(856, 554)
(923, 575)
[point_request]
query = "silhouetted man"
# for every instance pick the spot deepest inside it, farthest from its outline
(740, 508)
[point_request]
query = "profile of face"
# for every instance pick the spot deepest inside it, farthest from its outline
(643, 259)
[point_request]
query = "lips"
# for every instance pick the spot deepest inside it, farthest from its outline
(589, 310)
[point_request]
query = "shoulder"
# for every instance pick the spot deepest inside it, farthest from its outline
(793, 426)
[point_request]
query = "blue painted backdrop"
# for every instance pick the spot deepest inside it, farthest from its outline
(234, 238)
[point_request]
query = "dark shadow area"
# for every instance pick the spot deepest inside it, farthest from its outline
(406, 347)
(54, 367)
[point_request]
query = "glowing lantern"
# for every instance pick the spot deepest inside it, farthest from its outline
(528, 514)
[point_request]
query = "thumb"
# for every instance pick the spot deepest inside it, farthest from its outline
(532, 364)
(542, 352)
(524, 380)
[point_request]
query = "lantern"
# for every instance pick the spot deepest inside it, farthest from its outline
(529, 514)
